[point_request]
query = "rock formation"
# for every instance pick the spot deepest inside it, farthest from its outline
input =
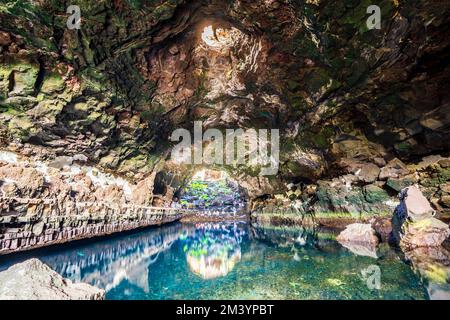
(48, 203)
(33, 280)
(359, 238)
(362, 113)
(414, 224)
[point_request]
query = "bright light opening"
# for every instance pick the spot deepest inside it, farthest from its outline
(219, 38)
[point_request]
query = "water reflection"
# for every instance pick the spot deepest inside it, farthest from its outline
(107, 263)
(237, 261)
(433, 265)
(214, 249)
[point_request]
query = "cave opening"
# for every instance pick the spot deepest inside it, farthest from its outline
(213, 193)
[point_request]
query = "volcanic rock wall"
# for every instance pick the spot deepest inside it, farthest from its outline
(357, 109)
(42, 205)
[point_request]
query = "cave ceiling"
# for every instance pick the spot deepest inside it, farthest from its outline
(115, 89)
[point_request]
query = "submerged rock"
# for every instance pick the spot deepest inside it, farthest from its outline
(34, 280)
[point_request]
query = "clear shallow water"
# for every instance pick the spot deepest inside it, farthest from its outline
(229, 261)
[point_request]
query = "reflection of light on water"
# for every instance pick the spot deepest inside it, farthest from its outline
(214, 251)
(210, 267)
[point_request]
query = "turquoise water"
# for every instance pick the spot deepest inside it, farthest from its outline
(230, 261)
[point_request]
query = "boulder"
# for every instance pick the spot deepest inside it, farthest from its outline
(33, 280)
(365, 172)
(413, 223)
(429, 232)
(360, 239)
(308, 165)
(413, 205)
(394, 169)
(358, 232)
(397, 184)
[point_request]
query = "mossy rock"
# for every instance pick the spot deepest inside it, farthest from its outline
(399, 184)
(375, 194)
(21, 127)
(52, 83)
(18, 78)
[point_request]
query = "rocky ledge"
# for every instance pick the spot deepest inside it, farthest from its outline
(45, 203)
(33, 280)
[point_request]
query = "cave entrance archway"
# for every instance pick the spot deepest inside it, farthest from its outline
(213, 192)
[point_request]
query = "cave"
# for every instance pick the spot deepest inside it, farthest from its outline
(117, 116)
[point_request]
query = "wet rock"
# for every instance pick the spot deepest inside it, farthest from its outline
(33, 280)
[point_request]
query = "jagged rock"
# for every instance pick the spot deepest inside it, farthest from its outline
(413, 205)
(394, 169)
(33, 280)
(428, 232)
(66, 202)
(365, 172)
